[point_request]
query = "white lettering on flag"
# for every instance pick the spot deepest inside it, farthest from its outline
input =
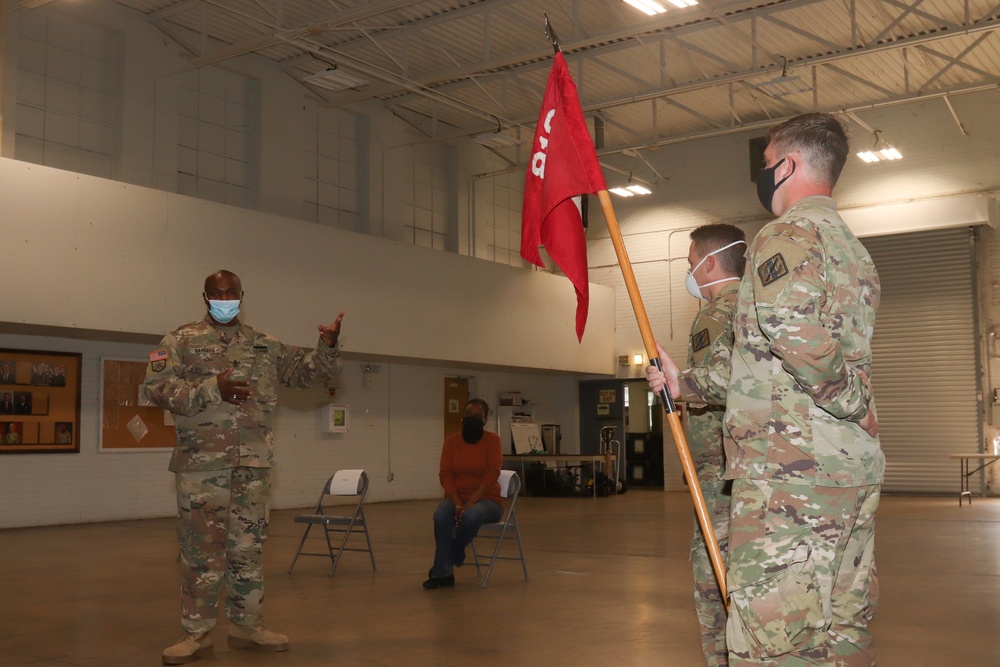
(538, 159)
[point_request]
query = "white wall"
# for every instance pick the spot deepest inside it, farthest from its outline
(124, 258)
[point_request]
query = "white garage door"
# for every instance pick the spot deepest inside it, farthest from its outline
(924, 357)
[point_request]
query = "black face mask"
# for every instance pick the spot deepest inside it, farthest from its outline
(766, 187)
(472, 429)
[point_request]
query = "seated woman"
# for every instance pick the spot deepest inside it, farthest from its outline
(470, 466)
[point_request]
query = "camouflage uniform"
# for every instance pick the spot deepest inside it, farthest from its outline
(223, 454)
(801, 570)
(703, 387)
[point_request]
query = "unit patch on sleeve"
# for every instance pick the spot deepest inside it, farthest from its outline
(772, 269)
(771, 276)
(700, 340)
(158, 360)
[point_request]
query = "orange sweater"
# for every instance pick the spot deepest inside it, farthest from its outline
(464, 467)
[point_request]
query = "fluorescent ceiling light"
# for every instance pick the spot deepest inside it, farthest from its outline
(640, 190)
(622, 192)
(887, 153)
(649, 7)
(334, 79)
(683, 3)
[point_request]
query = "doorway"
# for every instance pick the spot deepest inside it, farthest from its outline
(456, 395)
(629, 407)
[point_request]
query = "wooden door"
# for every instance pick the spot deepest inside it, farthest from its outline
(456, 395)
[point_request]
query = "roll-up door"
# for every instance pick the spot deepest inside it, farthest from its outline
(924, 368)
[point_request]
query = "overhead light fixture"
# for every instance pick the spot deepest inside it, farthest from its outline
(681, 4)
(631, 191)
(783, 85)
(880, 151)
(334, 79)
(647, 6)
(496, 140)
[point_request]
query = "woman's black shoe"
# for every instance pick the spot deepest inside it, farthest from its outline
(439, 582)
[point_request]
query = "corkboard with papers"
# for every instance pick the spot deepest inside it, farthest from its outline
(129, 422)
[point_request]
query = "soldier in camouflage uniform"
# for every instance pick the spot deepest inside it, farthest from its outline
(716, 258)
(219, 378)
(801, 428)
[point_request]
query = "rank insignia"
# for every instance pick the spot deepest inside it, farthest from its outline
(772, 270)
(700, 340)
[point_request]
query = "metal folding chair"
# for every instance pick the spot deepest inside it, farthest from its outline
(343, 483)
(510, 488)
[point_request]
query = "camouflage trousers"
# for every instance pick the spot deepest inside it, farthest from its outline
(221, 525)
(801, 574)
(708, 603)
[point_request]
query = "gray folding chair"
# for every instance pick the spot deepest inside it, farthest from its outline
(343, 483)
(510, 488)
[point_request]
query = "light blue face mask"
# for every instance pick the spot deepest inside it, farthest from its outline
(223, 311)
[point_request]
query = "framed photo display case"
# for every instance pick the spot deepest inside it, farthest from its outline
(39, 402)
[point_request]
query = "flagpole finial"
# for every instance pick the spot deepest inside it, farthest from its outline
(551, 34)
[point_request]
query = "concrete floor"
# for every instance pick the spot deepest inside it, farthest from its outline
(610, 585)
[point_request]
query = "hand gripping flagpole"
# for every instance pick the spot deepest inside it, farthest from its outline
(673, 417)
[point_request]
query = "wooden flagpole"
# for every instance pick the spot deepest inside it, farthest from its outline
(701, 509)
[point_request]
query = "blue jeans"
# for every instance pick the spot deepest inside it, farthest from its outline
(450, 542)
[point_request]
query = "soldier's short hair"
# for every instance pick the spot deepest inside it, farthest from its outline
(709, 238)
(819, 137)
(481, 403)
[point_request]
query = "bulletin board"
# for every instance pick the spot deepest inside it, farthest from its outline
(129, 422)
(39, 402)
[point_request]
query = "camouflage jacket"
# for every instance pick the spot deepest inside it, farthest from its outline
(804, 321)
(213, 434)
(703, 384)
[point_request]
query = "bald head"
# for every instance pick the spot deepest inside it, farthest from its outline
(222, 276)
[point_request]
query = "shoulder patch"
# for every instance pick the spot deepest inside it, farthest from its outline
(773, 268)
(781, 257)
(707, 330)
(158, 359)
(700, 340)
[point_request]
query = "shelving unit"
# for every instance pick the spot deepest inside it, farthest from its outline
(509, 414)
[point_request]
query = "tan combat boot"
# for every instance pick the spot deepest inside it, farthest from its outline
(256, 637)
(190, 647)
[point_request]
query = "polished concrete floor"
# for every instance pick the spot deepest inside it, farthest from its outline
(610, 585)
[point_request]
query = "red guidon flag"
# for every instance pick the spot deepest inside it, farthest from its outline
(563, 166)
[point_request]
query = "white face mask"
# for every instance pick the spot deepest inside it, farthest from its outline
(693, 288)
